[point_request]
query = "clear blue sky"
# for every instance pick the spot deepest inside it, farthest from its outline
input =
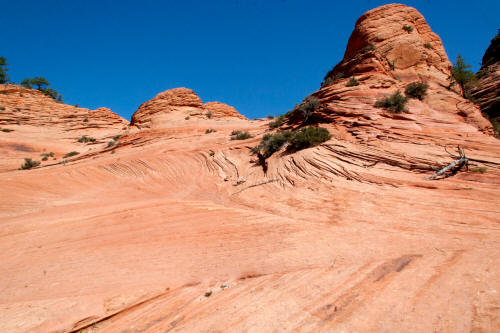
(260, 56)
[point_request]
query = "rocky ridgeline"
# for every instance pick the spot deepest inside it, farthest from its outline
(23, 106)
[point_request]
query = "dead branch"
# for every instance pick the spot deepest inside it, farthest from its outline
(453, 166)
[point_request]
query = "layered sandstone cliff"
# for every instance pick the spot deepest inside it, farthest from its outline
(486, 93)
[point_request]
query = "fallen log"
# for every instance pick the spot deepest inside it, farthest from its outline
(455, 165)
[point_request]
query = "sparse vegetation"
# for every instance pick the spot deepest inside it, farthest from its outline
(300, 139)
(369, 47)
(307, 107)
(85, 120)
(416, 90)
(407, 28)
(4, 78)
(208, 293)
(186, 118)
(277, 122)
(28, 164)
(86, 139)
(428, 45)
(392, 64)
(352, 82)
(209, 130)
(209, 114)
(396, 103)
(42, 85)
(270, 117)
(240, 135)
(73, 153)
(462, 76)
(2, 108)
(116, 137)
(110, 144)
(308, 137)
(7, 130)
(479, 169)
(45, 156)
(330, 78)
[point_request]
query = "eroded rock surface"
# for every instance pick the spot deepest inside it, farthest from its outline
(178, 229)
(176, 105)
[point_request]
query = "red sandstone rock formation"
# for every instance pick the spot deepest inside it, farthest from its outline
(39, 124)
(177, 230)
(179, 104)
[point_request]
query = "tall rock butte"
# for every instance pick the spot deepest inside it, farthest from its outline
(177, 229)
(179, 104)
(390, 47)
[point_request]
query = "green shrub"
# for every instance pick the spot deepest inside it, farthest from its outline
(271, 143)
(110, 144)
(308, 137)
(85, 139)
(270, 117)
(352, 82)
(85, 120)
(240, 135)
(277, 122)
(416, 90)
(307, 107)
(186, 118)
(396, 103)
(428, 45)
(2, 108)
(73, 153)
(330, 78)
(28, 164)
(209, 130)
(479, 169)
(369, 47)
(116, 137)
(209, 114)
(7, 130)
(45, 156)
(407, 28)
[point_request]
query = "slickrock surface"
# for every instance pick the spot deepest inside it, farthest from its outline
(39, 124)
(487, 90)
(175, 230)
(179, 105)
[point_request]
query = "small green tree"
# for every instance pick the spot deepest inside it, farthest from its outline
(461, 75)
(4, 78)
(40, 82)
(26, 83)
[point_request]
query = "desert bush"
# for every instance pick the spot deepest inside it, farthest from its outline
(407, 28)
(308, 137)
(330, 78)
(45, 156)
(2, 108)
(270, 117)
(369, 47)
(416, 90)
(110, 144)
(428, 45)
(396, 103)
(307, 107)
(73, 153)
(277, 122)
(4, 78)
(28, 164)
(186, 118)
(209, 130)
(352, 82)
(209, 114)
(85, 139)
(271, 143)
(85, 120)
(479, 169)
(7, 130)
(240, 135)
(116, 137)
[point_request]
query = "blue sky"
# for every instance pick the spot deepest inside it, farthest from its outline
(259, 56)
